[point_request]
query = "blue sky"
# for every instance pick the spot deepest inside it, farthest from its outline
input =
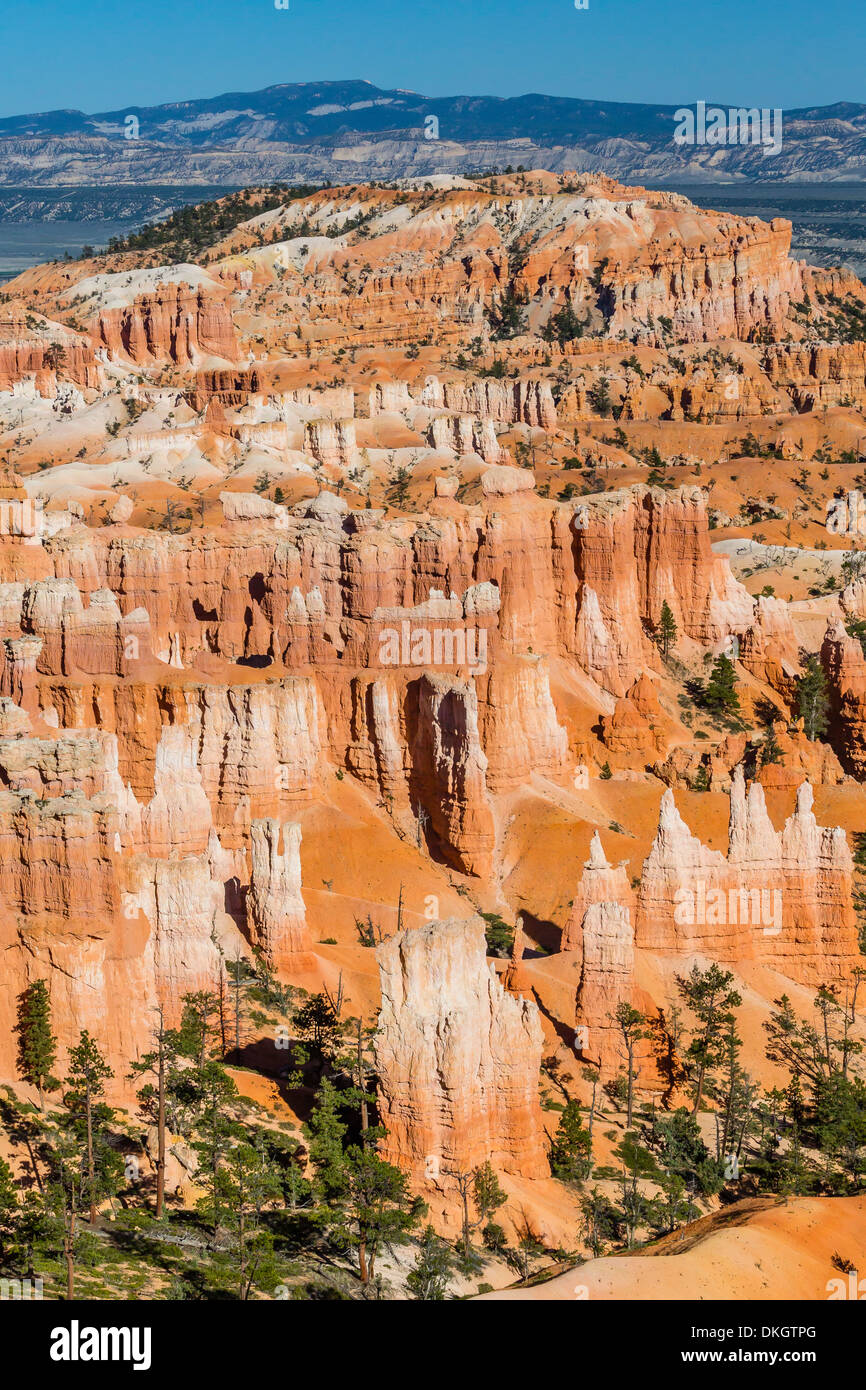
(100, 55)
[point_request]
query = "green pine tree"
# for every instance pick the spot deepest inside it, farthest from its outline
(571, 1149)
(247, 1182)
(428, 1278)
(632, 1031)
(666, 633)
(328, 1131)
(720, 694)
(702, 779)
(88, 1073)
(709, 995)
(37, 1045)
(379, 1207)
(481, 1187)
(770, 750)
(812, 699)
(217, 1130)
(10, 1212)
(600, 398)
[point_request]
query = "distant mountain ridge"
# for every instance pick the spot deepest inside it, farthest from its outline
(346, 131)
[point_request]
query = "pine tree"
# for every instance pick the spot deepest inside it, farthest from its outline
(631, 1026)
(486, 1192)
(196, 1025)
(840, 1129)
(812, 699)
(675, 1141)
(600, 397)
(152, 1099)
(9, 1214)
(720, 694)
(672, 1206)
(667, 629)
(636, 1165)
(37, 1045)
(770, 750)
(571, 1149)
(481, 1186)
(379, 1208)
(247, 1182)
(702, 779)
(241, 976)
(88, 1072)
(709, 995)
(599, 1220)
(328, 1131)
(318, 1027)
(591, 1077)
(428, 1278)
(217, 1129)
(66, 1196)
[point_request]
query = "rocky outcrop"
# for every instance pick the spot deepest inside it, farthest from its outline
(388, 397)
(249, 506)
(178, 818)
(458, 1059)
(818, 374)
(174, 323)
(501, 480)
(422, 689)
(845, 667)
(259, 749)
(463, 434)
(114, 932)
(782, 897)
(737, 281)
(524, 402)
(44, 357)
(668, 537)
(638, 726)
(184, 907)
(787, 757)
(275, 907)
(581, 583)
(515, 977)
(769, 649)
(520, 731)
(600, 883)
(783, 758)
(331, 442)
(449, 773)
(599, 930)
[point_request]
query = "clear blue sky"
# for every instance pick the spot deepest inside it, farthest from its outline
(101, 55)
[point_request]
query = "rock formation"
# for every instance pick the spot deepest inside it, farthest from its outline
(458, 1059)
(783, 897)
(599, 929)
(449, 773)
(638, 725)
(174, 323)
(845, 667)
(275, 907)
